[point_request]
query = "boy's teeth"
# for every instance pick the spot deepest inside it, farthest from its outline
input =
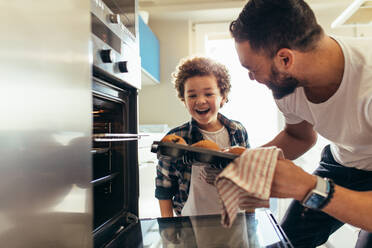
(202, 111)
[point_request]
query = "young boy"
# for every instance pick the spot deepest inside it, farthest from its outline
(203, 86)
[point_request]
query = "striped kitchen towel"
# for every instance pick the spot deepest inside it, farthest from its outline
(246, 182)
(209, 174)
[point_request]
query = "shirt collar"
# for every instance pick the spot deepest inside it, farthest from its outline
(195, 135)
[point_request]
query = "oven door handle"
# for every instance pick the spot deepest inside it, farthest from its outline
(116, 137)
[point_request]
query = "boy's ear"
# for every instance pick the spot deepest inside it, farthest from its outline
(224, 100)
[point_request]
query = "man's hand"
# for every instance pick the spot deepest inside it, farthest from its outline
(291, 181)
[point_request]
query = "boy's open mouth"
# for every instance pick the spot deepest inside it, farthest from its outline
(202, 112)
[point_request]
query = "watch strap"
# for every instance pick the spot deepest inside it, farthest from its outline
(322, 192)
(331, 190)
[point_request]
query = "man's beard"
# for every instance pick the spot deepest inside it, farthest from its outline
(281, 85)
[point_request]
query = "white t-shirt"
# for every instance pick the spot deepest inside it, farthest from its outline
(203, 198)
(346, 117)
(220, 137)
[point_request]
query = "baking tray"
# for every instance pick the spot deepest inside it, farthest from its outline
(190, 154)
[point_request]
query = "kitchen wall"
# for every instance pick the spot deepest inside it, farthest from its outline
(159, 104)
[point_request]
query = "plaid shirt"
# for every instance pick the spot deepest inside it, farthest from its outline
(173, 177)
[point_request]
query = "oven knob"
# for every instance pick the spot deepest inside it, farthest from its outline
(123, 66)
(114, 18)
(107, 56)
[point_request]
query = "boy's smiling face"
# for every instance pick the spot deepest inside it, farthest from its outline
(203, 100)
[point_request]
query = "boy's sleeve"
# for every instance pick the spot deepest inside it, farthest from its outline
(245, 137)
(166, 180)
(242, 135)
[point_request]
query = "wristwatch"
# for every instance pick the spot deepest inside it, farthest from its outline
(319, 197)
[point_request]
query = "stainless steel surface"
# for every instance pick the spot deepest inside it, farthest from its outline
(45, 128)
(104, 179)
(120, 41)
(115, 84)
(114, 18)
(101, 135)
(127, 9)
(116, 137)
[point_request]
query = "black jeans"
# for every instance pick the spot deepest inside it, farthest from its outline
(308, 228)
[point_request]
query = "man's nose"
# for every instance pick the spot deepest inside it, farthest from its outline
(251, 75)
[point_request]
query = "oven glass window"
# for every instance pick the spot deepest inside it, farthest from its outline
(109, 163)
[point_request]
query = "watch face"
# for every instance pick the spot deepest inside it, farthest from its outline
(314, 201)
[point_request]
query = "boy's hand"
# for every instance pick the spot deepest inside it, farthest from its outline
(166, 208)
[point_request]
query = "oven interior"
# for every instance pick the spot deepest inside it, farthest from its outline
(109, 116)
(114, 151)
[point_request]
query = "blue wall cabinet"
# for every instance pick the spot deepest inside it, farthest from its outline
(149, 52)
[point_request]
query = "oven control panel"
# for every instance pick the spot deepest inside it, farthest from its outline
(115, 48)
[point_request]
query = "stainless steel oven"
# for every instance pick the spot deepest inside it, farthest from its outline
(115, 42)
(115, 84)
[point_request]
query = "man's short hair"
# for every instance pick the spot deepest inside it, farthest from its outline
(270, 25)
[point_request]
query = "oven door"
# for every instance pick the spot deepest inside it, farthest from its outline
(115, 160)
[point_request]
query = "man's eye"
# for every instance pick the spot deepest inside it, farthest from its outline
(191, 96)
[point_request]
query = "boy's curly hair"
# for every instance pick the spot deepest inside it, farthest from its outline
(201, 66)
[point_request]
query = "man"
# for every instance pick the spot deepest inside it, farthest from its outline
(322, 85)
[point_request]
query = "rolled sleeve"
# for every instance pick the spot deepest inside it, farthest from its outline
(245, 138)
(166, 180)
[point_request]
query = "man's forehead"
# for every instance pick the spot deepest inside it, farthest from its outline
(247, 55)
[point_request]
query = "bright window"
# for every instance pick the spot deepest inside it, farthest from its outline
(250, 103)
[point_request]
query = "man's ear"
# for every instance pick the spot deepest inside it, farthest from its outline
(284, 59)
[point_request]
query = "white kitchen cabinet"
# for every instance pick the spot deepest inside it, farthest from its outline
(148, 204)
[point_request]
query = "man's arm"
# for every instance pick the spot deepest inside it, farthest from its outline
(295, 139)
(351, 207)
(290, 181)
(166, 208)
